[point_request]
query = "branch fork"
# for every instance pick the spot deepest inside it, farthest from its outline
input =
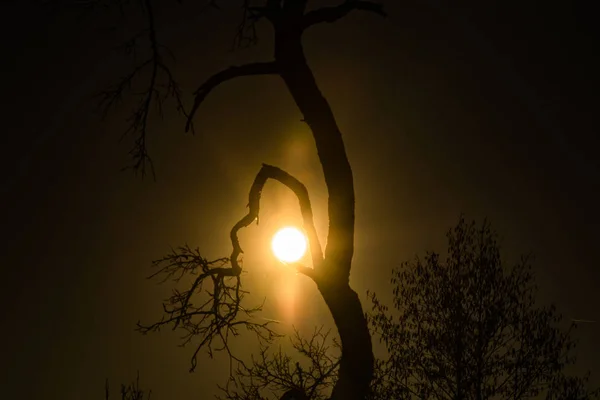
(271, 172)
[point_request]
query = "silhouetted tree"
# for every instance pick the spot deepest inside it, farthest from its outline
(210, 311)
(469, 328)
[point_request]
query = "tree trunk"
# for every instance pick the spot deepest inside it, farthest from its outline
(332, 276)
(356, 364)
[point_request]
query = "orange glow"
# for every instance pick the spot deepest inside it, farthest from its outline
(289, 244)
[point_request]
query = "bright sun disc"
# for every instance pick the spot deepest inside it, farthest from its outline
(289, 244)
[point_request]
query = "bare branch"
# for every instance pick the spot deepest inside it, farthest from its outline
(259, 68)
(211, 308)
(246, 35)
(332, 14)
(131, 391)
(310, 376)
(218, 286)
(271, 172)
(161, 86)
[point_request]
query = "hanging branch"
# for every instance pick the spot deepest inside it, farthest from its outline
(155, 93)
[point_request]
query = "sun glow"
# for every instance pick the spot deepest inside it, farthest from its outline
(289, 244)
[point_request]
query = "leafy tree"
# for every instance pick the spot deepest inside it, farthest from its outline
(470, 328)
(211, 310)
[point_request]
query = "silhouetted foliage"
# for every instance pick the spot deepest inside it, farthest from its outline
(470, 328)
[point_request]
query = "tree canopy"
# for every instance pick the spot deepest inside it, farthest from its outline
(470, 327)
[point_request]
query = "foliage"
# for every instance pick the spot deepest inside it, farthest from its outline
(470, 328)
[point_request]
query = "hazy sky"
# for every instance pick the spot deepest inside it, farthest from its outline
(483, 109)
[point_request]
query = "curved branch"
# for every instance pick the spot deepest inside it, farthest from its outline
(258, 68)
(332, 14)
(271, 172)
(220, 313)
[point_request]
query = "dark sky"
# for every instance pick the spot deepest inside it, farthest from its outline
(487, 108)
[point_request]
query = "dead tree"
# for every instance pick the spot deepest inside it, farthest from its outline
(221, 314)
(331, 270)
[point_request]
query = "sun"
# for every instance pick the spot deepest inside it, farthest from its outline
(289, 244)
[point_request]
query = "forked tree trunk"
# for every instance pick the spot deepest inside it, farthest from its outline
(332, 271)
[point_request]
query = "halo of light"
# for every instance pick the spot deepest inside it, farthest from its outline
(289, 244)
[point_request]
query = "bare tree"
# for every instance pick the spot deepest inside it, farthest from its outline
(211, 310)
(271, 373)
(331, 268)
